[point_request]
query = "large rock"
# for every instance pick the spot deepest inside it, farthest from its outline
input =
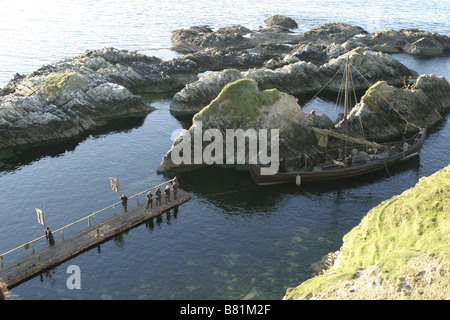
(282, 21)
(386, 112)
(200, 37)
(367, 67)
(329, 33)
(138, 73)
(61, 105)
(242, 106)
(212, 59)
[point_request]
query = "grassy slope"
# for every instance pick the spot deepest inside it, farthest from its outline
(400, 250)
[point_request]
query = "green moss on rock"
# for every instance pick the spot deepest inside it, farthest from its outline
(240, 99)
(374, 91)
(54, 85)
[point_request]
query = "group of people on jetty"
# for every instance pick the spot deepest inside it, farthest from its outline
(168, 191)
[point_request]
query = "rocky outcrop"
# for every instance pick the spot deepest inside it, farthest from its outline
(277, 33)
(412, 41)
(329, 33)
(241, 106)
(138, 73)
(61, 105)
(386, 112)
(298, 78)
(64, 99)
(278, 46)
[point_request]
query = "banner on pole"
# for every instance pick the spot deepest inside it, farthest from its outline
(40, 216)
(114, 184)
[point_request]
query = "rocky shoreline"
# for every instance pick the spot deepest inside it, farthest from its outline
(66, 98)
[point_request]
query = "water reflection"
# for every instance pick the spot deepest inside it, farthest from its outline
(13, 158)
(166, 217)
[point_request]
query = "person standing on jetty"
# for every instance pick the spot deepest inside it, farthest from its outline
(167, 194)
(124, 201)
(158, 195)
(174, 188)
(149, 201)
(49, 236)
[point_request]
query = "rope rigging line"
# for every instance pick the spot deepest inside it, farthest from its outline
(356, 99)
(315, 96)
(401, 116)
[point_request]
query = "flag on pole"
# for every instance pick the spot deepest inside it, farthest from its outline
(114, 184)
(40, 216)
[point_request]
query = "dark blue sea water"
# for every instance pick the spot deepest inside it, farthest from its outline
(233, 240)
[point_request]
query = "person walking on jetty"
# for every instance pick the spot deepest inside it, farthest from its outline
(175, 188)
(124, 201)
(149, 201)
(158, 196)
(167, 193)
(49, 236)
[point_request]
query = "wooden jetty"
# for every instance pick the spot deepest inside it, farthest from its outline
(36, 262)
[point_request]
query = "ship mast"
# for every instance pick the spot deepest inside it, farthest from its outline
(347, 69)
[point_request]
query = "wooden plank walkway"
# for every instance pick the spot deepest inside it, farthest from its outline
(34, 263)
